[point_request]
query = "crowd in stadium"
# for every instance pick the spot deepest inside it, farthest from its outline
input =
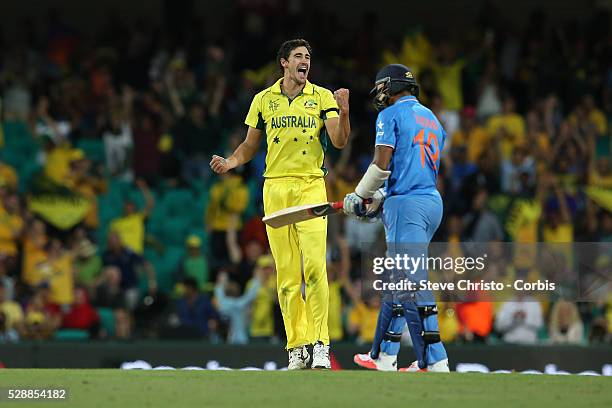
(113, 226)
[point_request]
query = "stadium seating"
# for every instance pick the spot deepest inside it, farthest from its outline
(71, 334)
(93, 149)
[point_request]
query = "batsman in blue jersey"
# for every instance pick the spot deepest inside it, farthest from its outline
(409, 139)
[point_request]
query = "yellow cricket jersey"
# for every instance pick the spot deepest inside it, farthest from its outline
(476, 141)
(295, 129)
(10, 225)
(131, 231)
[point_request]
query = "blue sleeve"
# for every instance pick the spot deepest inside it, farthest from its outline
(222, 300)
(226, 304)
(250, 294)
(386, 129)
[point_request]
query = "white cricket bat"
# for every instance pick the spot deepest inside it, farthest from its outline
(300, 213)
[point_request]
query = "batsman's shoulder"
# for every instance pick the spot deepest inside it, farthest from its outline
(387, 114)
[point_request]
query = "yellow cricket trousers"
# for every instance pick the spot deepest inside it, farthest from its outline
(295, 245)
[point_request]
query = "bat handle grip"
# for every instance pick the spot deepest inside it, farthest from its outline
(339, 205)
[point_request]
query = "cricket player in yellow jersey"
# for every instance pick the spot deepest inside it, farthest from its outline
(297, 118)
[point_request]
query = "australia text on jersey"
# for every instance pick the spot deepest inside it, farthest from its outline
(293, 121)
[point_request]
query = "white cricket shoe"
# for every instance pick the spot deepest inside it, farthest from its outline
(438, 367)
(298, 358)
(320, 356)
(384, 362)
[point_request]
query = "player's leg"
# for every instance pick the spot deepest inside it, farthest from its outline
(287, 257)
(390, 322)
(419, 225)
(386, 343)
(391, 340)
(437, 357)
(386, 317)
(390, 347)
(312, 236)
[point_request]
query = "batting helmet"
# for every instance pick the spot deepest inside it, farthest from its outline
(391, 80)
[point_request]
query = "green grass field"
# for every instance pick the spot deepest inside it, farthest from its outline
(117, 388)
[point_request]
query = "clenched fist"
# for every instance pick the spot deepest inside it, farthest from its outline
(220, 165)
(342, 99)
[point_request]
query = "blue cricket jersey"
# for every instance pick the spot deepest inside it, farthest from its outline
(417, 138)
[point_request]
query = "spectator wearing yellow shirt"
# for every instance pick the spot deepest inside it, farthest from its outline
(568, 154)
(363, 317)
(448, 76)
(343, 175)
(11, 226)
(42, 317)
(522, 223)
(600, 175)
(262, 309)
(131, 227)
(538, 141)
(508, 128)
(58, 272)
(58, 160)
(83, 183)
(338, 270)
(364, 314)
(229, 197)
(448, 322)
(34, 252)
(471, 135)
(600, 171)
(594, 115)
(558, 226)
(8, 176)
(13, 314)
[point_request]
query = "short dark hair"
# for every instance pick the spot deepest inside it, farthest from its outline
(285, 50)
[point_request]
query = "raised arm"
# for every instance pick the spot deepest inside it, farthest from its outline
(149, 199)
(241, 155)
(566, 216)
(339, 128)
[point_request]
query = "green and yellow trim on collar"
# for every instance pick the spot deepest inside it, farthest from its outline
(276, 88)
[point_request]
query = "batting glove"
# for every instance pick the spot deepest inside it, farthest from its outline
(374, 208)
(354, 205)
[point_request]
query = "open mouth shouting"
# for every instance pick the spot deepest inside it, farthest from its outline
(302, 71)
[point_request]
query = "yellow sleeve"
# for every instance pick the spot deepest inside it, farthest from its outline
(329, 107)
(599, 119)
(492, 125)
(254, 118)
